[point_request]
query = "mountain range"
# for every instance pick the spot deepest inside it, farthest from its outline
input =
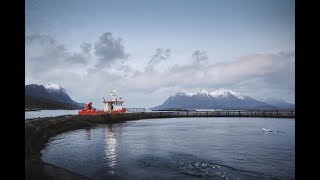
(280, 103)
(219, 99)
(49, 96)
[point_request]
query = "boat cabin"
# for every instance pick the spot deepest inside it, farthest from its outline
(113, 105)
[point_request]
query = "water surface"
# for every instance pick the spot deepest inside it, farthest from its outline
(48, 113)
(179, 148)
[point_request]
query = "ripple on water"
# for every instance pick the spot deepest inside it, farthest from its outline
(193, 166)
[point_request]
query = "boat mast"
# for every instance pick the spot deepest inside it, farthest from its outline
(113, 94)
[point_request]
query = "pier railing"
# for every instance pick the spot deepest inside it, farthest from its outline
(221, 113)
(136, 109)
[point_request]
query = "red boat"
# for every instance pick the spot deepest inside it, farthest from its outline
(113, 106)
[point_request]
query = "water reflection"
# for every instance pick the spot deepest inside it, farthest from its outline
(111, 134)
(88, 134)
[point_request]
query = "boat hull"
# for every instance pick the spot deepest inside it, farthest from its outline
(99, 112)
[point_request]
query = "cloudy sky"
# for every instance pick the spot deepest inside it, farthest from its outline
(149, 49)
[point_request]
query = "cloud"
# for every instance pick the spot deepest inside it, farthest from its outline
(81, 57)
(273, 70)
(49, 61)
(108, 50)
(160, 55)
(257, 75)
(86, 47)
(262, 89)
(254, 65)
(43, 51)
(200, 58)
(77, 58)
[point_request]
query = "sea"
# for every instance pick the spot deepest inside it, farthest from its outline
(48, 113)
(179, 148)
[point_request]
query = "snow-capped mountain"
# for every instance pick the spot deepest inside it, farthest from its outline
(59, 93)
(226, 93)
(54, 87)
(219, 99)
(185, 93)
(280, 103)
(49, 95)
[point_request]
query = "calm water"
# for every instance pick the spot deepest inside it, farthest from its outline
(48, 113)
(179, 148)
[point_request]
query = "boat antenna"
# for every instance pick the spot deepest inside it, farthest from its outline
(113, 93)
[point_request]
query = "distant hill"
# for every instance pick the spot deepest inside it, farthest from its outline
(39, 103)
(219, 99)
(280, 103)
(49, 96)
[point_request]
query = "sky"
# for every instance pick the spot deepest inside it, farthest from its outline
(148, 50)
